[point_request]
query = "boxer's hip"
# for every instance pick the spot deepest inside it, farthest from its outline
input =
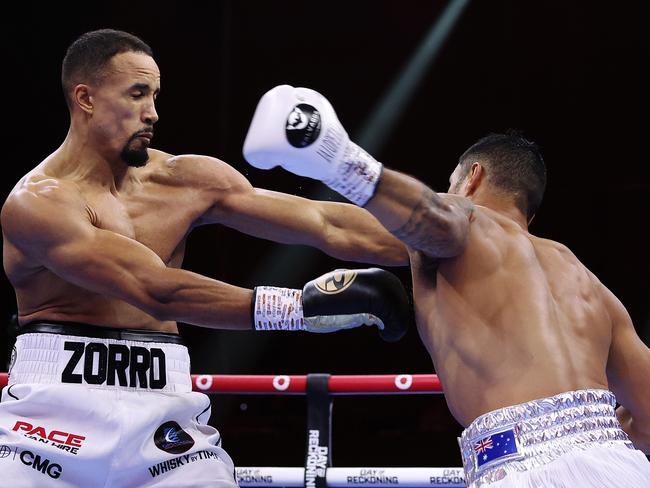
(532, 434)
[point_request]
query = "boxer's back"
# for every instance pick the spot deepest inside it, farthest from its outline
(513, 318)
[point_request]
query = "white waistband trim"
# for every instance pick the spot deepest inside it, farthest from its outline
(101, 363)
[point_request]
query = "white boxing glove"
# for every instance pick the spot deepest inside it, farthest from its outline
(297, 129)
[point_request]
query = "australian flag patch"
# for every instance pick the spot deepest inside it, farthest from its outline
(498, 446)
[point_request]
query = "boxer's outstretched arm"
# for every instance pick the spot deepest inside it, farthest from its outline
(628, 373)
(341, 230)
(51, 225)
(435, 224)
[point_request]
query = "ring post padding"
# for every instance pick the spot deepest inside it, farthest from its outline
(318, 455)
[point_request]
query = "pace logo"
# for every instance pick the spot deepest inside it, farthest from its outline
(303, 125)
(335, 281)
(57, 438)
(169, 437)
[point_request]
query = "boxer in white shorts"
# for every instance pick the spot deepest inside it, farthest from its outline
(529, 345)
(95, 234)
(94, 406)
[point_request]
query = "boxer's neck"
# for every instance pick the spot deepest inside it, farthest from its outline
(501, 204)
(80, 157)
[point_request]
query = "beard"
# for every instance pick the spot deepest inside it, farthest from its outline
(135, 152)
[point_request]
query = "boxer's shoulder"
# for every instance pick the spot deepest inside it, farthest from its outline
(39, 207)
(39, 191)
(194, 170)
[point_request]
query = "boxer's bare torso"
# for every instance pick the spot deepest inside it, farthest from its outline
(513, 318)
(156, 206)
(151, 207)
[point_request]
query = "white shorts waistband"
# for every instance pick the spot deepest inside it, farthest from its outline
(101, 362)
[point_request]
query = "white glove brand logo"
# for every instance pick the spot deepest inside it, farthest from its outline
(303, 125)
(335, 282)
(297, 120)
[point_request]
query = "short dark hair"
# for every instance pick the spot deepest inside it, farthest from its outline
(88, 56)
(513, 164)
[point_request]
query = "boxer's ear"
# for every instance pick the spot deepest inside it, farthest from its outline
(82, 98)
(474, 178)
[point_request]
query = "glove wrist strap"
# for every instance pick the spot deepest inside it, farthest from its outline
(277, 309)
(357, 175)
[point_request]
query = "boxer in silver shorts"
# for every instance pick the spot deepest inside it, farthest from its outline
(533, 351)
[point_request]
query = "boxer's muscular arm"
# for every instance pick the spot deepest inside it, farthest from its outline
(50, 224)
(434, 224)
(628, 368)
(341, 230)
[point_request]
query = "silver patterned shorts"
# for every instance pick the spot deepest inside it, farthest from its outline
(521, 437)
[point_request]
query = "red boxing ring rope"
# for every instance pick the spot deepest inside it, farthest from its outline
(337, 385)
(384, 384)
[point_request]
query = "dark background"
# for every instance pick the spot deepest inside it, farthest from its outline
(571, 74)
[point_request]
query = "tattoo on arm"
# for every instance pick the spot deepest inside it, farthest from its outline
(430, 228)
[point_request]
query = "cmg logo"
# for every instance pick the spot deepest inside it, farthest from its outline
(45, 466)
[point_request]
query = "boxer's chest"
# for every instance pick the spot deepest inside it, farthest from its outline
(158, 220)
